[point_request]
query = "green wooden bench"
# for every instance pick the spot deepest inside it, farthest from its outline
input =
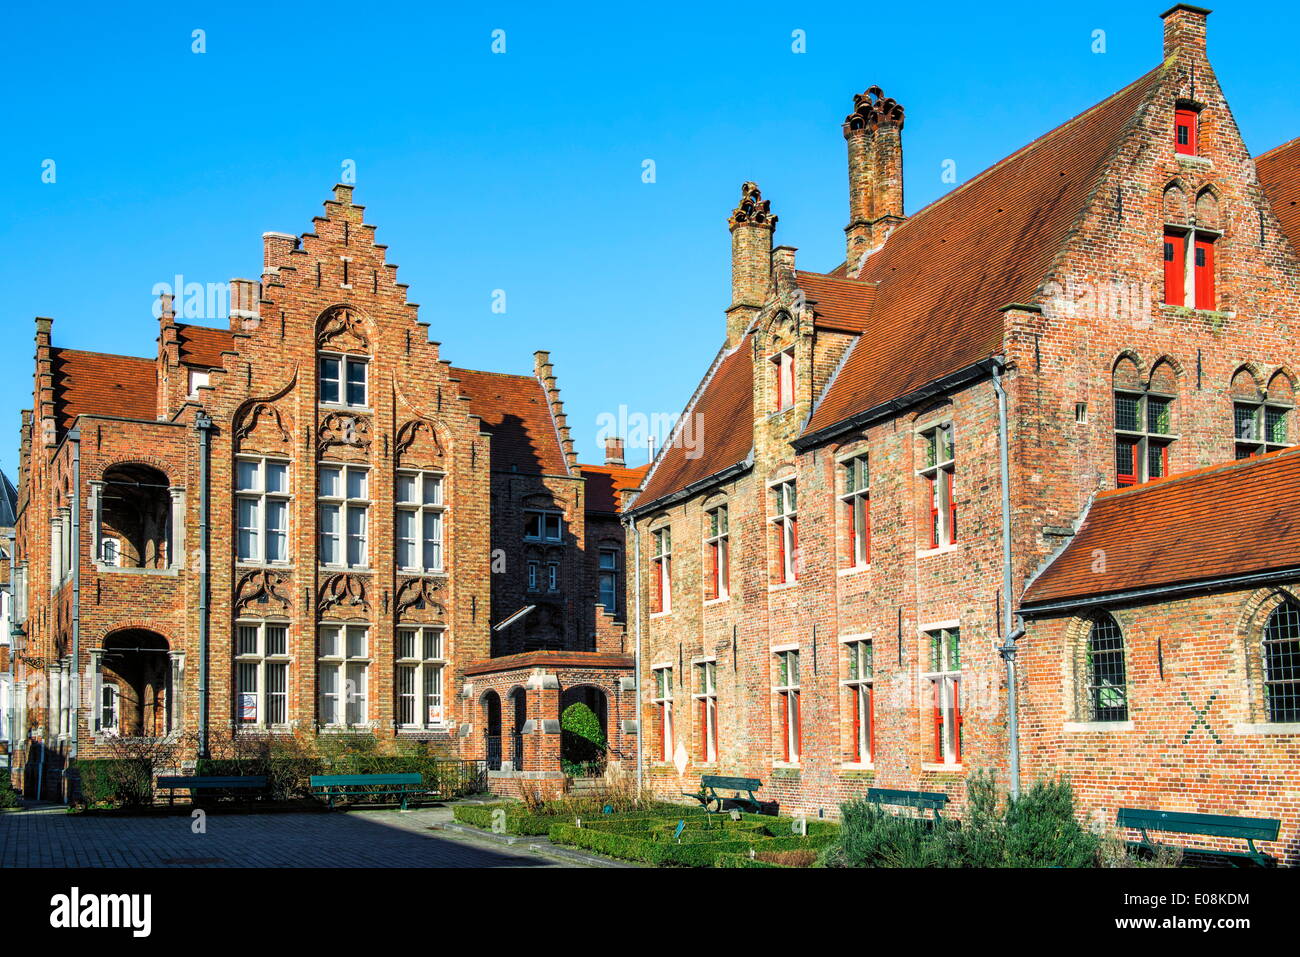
(194, 784)
(708, 794)
(932, 801)
(401, 786)
(1248, 829)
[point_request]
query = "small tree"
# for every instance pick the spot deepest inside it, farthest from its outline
(582, 742)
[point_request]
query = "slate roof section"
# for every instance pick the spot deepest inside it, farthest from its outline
(1230, 520)
(944, 274)
(94, 383)
(514, 410)
(609, 487)
(718, 433)
(202, 346)
(1279, 174)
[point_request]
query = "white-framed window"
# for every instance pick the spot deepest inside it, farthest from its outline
(110, 708)
(661, 569)
(944, 647)
(198, 379)
(1259, 427)
(663, 704)
(1143, 436)
(608, 579)
(421, 658)
(419, 521)
(717, 547)
(110, 551)
(855, 496)
(706, 701)
(262, 510)
(344, 515)
(343, 380)
(552, 576)
(533, 571)
(542, 526)
(939, 471)
(783, 370)
(787, 695)
(785, 531)
(859, 686)
(344, 667)
(261, 673)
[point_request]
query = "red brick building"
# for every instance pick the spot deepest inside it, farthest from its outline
(309, 521)
(834, 547)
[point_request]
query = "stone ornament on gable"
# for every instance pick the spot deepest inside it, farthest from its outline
(259, 587)
(411, 431)
(345, 429)
(257, 410)
(339, 323)
(345, 591)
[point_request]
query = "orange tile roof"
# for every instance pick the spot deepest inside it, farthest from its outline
(1279, 174)
(1236, 519)
(514, 410)
(93, 383)
(608, 485)
(202, 345)
(839, 304)
(720, 433)
(944, 273)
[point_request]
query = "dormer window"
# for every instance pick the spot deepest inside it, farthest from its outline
(1186, 130)
(343, 380)
(783, 368)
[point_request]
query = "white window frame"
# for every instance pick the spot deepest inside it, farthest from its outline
(784, 520)
(607, 574)
(552, 576)
(940, 474)
(544, 517)
(948, 680)
(261, 499)
(787, 695)
(1261, 444)
(262, 660)
(426, 663)
(534, 567)
(346, 362)
(860, 685)
(661, 564)
(783, 363)
(663, 702)
(717, 546)
(855, 470)
(344, 507)
(110, 701)
(198, 378)
(706, 697)
(344, 664)
(421, 510)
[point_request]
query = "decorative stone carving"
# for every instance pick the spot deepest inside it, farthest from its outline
(259, 410)
(414, 430)
(260, 587)
(420, 594)
(871, 109)
(753, 208)
(340, 323)
(344, 590)
(345, 429)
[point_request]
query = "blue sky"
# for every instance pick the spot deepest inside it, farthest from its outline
(522, 171)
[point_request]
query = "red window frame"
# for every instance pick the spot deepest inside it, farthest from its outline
(784, 362)
(1123, 479)
(951, 479)
(1175, 260)
(786, 698)
(934, 510)
(859, 691)
(937, 686)
(1189, 120)
(1203, 273)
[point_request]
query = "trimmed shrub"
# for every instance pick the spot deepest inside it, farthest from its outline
(582, 742)
(123, 781)
(8, 797)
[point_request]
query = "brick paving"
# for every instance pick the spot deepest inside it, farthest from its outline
(54, 838)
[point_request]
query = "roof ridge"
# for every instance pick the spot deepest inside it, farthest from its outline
(1280, 146)
(63, 350)
(1031, 145)
(1201, 473)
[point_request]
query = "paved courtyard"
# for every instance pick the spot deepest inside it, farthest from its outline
(54, 838)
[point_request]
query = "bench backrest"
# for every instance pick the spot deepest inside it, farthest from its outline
(340, 780)
(732, 784)
(1213, 825)
(930, 800)
(240, 781)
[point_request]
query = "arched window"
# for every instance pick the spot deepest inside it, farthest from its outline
(1107, 687)
(1281, 652)
(1143, 423)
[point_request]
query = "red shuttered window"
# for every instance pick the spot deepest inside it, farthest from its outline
(1175, 258)
(1185, 132)
(1203, 273)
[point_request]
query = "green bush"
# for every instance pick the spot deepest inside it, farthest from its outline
(1042, 831)
(582, 742)
(8, 797)
(127, 782)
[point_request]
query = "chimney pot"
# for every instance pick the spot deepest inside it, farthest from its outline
(874, 135)
(752, 225)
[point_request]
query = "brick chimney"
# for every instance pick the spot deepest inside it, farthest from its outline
(1185, 28)
(874, 134)
(245, 303)
(45, 380)
(614, 452)
(752, 225)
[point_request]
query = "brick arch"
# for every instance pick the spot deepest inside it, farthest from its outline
(852, 445)
(1288, 383)
(1247, 382)
(340, 322)
(1250, 632)
(928, 411)
(784, 470)
(1208, 207)
(1176, 370)
(140, 624)
(145, 460)
(1126, 370)
(1174, 202)
(1077, 634)
(714, 500)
